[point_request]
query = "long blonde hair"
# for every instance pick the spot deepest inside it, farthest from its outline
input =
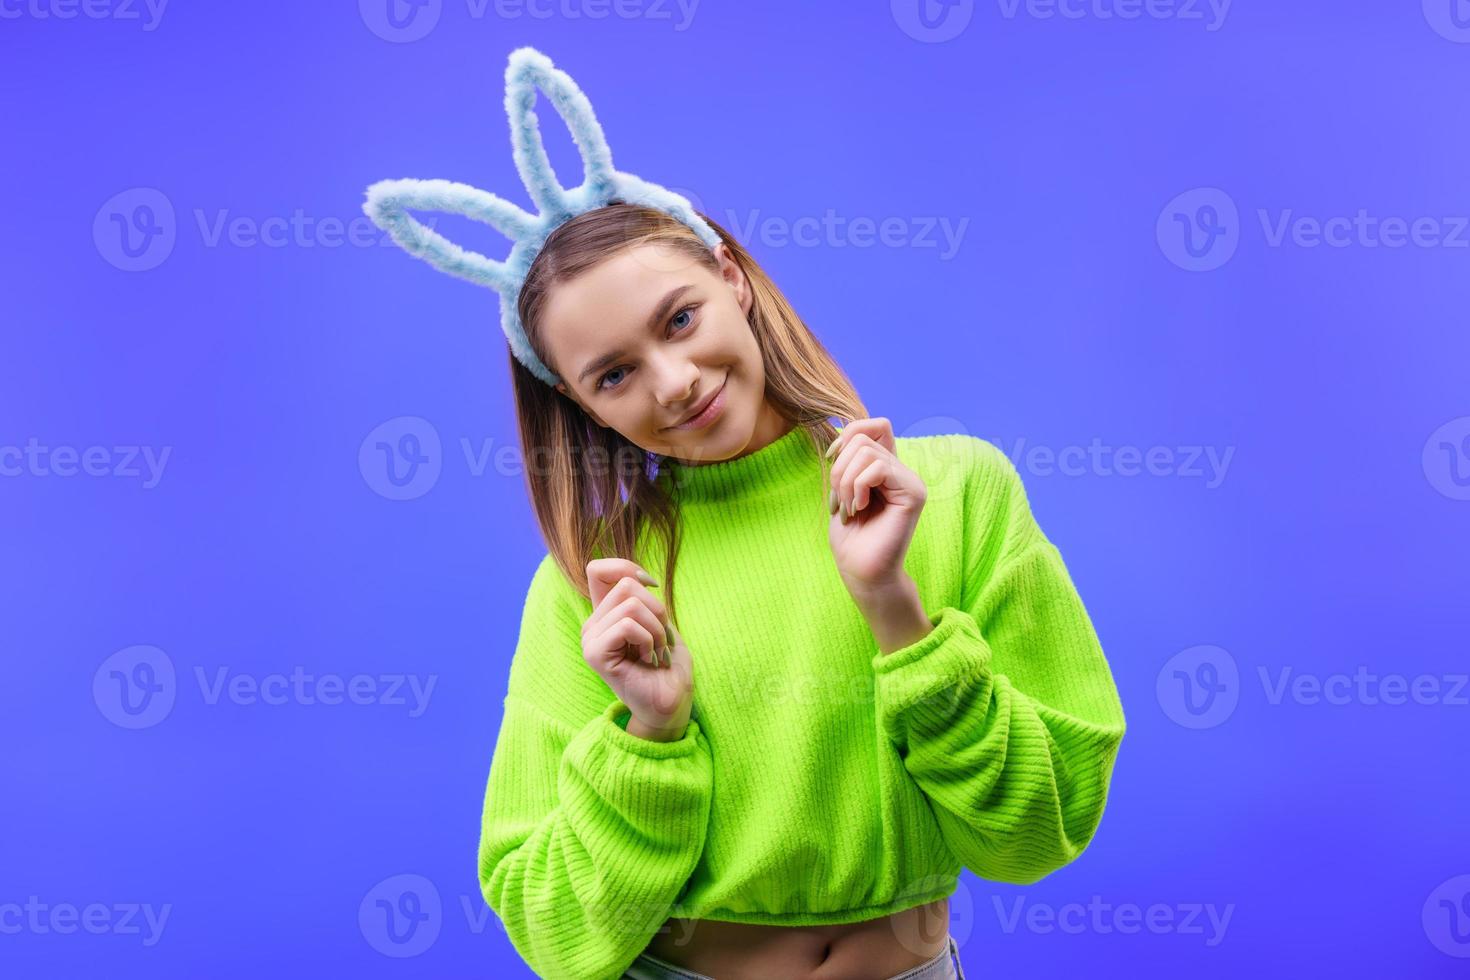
(595, 511)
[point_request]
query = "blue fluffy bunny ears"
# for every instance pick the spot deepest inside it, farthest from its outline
(388, 201)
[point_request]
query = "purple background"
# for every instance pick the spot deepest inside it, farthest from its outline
(1332, 834)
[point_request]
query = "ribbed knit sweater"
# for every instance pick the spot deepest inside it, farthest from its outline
(819, 781)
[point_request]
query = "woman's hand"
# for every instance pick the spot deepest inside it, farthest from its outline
(875, 502)
(633, 646)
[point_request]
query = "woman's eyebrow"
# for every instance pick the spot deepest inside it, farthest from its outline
(659, 314)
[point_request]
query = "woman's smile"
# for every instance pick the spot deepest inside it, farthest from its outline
(710, 413)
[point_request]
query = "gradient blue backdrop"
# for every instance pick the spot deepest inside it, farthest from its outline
(1334, 376)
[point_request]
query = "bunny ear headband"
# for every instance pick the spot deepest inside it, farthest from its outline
(388, 201)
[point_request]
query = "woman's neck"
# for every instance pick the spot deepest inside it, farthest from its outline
(769, 426)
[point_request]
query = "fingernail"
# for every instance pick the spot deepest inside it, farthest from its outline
(832, 501)
(833, 448)
(843, 511)
(646, 578)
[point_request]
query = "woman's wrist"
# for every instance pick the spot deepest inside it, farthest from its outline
(670, 733)
(895, 614)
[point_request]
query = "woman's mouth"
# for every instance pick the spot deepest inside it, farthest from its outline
(709, 413)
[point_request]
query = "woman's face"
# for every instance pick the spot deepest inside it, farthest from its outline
(646, 338)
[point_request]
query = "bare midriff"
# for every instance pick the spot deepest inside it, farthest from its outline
(873, 950)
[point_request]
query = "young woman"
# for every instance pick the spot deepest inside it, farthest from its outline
(874, 670)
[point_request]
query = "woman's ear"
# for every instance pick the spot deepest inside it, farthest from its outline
(730, 272)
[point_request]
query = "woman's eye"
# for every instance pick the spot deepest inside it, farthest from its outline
(687, 311)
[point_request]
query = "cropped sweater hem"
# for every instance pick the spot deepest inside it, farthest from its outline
(818, 918)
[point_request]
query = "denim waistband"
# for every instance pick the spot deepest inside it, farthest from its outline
(944, 966)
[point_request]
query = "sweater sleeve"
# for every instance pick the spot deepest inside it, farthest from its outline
(1006, 714)
(588, 833)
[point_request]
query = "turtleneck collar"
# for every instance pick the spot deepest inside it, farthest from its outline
(789, 459)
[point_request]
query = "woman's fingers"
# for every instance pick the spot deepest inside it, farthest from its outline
(623, 635)
(872, 476)
(879, 429)
(604, 573)
(623, 587)
(618, 607)
(852, 460)
(633, 608)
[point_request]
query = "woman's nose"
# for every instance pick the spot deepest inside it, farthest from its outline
(676, 383)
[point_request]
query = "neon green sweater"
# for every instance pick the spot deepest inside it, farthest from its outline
(819, 781)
